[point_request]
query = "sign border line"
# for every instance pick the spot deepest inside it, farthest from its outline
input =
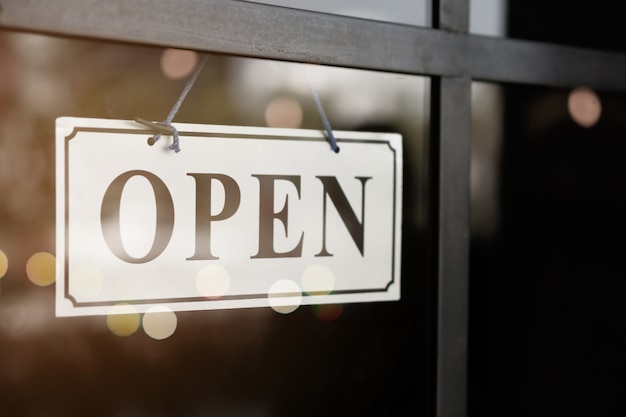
(78, 304)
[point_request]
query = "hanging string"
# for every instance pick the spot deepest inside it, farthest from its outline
(320, 109)
(165, 127)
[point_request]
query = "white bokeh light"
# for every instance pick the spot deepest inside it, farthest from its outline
(159, 322)
(212, 281)
(318, 280)
(285, 296)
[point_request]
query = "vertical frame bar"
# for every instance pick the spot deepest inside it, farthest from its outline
(451, 157)
(451, 141)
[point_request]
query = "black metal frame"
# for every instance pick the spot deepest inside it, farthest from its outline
(445, 52)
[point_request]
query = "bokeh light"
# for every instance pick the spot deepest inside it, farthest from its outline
(584, 106)
(123, 320)
(41, 269)
(318, 280)
(212, 281)
(4, 264)
(283, 112)
(285, 296)
(178, 63)
(159, 322)
(328, 312)
(86, 282)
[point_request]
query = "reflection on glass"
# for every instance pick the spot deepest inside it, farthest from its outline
(584, 106)
(4, 264)
(41, 269)
(487, 114)
(159, 322)
(123, 320)
(328, 312)
(285, 296)
(318, 280)
(212, 281)
(177, 63)
(283, 112)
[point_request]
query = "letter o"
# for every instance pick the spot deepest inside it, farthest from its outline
(111, 209)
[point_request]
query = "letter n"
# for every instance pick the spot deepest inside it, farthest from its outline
(348, 217)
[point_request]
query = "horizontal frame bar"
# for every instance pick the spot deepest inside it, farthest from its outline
(262, 31)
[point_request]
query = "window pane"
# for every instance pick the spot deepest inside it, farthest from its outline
(581, 24)
(557, 22)
(408, 12)
(350, 359)
(488, 17)
(547, 270)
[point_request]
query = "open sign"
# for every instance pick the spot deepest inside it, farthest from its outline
(241, 207)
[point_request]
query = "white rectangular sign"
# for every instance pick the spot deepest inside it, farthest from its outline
(241, 217)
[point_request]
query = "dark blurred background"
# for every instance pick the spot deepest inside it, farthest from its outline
(547, 315)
